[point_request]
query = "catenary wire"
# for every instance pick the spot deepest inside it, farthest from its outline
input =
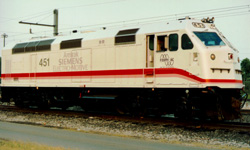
(167, 17)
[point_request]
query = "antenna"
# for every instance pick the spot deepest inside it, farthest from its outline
(55, 26)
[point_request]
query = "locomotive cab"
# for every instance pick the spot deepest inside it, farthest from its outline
(220, 72)
(221, 63)
(198, 60)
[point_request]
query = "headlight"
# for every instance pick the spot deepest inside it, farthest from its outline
(212, 56)
(198, 25)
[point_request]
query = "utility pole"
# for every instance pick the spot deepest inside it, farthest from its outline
(4, 36)
(55, 26)
(55, 22)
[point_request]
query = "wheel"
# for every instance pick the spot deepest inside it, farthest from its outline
(182, 110)
(121, 107)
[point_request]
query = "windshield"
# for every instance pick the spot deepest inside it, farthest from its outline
(210, 38)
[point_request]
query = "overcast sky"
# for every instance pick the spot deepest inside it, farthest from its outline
(234, 22)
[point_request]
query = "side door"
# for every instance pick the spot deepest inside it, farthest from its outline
(149, 71)
(33, 69)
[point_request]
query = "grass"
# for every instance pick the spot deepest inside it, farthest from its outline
(17, 145)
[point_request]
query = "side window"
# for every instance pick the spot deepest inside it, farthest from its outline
(173, 42)
(126, 37)
(161, 43)
(75, 43)
(151, 42)
(44, 45)
(19, 48)
(32, 46)
(186, 43)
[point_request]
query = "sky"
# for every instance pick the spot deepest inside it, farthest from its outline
(232, 17)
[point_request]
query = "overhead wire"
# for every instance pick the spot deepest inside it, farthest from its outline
(27, 17)
(94, 4)
(49, 12)
(219, 9)
(148, 18)
(216, 12)
(235, 14)
(36, 16)
(170, 17)
(45, 17)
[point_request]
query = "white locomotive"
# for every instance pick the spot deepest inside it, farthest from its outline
(186, 67)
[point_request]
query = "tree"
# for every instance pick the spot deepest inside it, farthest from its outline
(0, 65)
(0, 68)
(245, 67)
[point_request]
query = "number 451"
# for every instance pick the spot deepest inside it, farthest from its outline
(44, 62)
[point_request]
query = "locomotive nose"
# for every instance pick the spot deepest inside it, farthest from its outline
(223, 66)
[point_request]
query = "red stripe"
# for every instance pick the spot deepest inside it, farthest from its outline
(137, 73)
(168, 71)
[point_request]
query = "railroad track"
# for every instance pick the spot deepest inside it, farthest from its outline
(160, 121)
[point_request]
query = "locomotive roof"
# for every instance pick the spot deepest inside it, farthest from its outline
(112, 32)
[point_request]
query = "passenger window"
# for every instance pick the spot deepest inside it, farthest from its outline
(161, 43)
(186, 43)
(173, 42)
(151, 42)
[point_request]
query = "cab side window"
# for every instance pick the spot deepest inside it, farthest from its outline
(161, 43)
(151, 42)
(186, 43)
(173, 42)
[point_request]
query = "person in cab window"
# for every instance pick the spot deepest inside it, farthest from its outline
(161, 43)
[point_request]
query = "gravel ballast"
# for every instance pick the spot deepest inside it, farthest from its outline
(220, 139)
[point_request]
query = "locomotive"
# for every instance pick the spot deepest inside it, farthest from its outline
(184, 67)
